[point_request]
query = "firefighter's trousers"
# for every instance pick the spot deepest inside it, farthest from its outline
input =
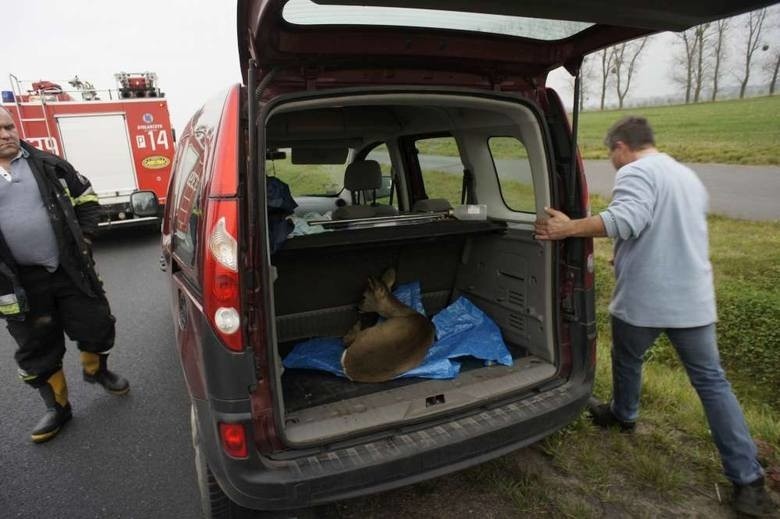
(56, 306)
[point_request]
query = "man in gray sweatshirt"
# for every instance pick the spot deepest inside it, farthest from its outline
(658, 221)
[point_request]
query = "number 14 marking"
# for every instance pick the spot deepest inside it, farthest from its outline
(157, 139)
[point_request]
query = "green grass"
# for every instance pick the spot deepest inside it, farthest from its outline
(308, 180)
(743, 131)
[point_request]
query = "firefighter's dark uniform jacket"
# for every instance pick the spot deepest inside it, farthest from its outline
(74, 213)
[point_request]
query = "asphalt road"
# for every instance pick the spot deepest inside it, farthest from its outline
(120, 457)
(747, 192)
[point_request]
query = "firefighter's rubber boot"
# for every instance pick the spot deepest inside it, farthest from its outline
(55, 395)
(95, 371)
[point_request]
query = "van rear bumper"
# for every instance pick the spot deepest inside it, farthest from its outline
(406, 457)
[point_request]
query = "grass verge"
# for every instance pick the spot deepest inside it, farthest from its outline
(745, 131)
(671, 459)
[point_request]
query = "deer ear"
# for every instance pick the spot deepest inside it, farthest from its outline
(388, 278)
(371, 283)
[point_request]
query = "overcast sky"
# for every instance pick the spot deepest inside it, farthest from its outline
(190, 44)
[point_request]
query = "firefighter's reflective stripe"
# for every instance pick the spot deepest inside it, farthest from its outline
(10, 309)
(26, 377)
(83, 199)
(87, 196)
(9, 305)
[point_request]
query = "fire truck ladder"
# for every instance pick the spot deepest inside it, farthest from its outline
(16, 88)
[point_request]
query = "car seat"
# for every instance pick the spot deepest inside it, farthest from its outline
(362, 178)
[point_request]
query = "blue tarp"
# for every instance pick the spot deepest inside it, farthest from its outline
(462, 330)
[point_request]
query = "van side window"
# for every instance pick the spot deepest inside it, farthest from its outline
(381, 154)
(187, 205)
(441, 168)
(513, 169)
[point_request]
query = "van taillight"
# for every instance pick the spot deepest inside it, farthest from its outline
(233, 436)
(221, 283)
(564, 338)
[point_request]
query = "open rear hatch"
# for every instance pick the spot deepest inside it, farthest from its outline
(498, 42)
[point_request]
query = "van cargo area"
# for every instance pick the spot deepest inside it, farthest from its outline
(495, 263)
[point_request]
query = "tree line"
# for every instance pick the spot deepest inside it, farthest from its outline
(704, 57)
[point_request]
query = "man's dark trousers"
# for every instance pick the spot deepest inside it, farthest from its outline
(56, 306)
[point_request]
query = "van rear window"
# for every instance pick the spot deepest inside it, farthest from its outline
(305, 12)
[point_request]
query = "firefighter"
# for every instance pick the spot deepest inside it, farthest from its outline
(48, 284)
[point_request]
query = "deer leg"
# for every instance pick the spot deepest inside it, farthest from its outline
(352, 334)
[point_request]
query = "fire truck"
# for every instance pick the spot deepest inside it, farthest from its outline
(120, 139)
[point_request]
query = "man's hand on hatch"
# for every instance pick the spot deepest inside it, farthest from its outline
(556, 227)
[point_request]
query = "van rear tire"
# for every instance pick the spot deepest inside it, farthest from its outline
(213, 501)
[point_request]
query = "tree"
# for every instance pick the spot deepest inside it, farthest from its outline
(700, 33)
(718, 53)
(772, 63)
(774, 68)
(684, 62)
(626, 57)
(754, 22)
(587, 76)
(607, 60)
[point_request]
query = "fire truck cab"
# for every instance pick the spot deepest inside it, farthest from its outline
(120, 139)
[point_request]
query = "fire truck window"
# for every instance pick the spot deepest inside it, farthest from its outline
(189, 172)
(307, 179)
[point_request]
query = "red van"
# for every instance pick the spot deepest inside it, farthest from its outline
(413, 135)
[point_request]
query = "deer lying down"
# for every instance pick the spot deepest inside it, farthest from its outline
(392, 347)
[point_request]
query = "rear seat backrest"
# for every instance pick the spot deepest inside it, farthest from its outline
(362, 178)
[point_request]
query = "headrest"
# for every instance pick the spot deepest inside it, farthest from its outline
(362, 175)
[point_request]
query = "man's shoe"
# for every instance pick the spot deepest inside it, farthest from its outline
(97, 372)
(602, 416)
(752, 500)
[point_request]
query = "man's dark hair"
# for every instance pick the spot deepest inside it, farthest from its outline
(634, 131)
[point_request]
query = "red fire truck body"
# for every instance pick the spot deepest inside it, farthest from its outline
(122, 144)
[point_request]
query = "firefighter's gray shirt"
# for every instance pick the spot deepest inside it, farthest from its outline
(658, 219)
(24, 220)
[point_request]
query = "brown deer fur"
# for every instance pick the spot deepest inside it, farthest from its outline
(392, 347)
